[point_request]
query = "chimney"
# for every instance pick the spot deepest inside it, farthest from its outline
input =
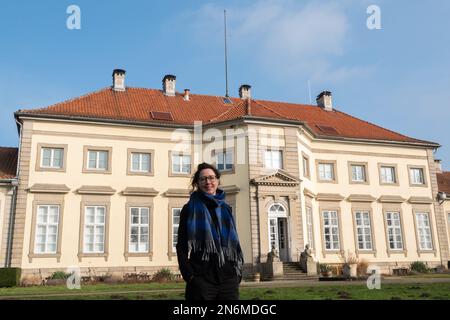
(438, 165)
(169, 85)
(324, 100)
(118, 80)
(245, 91)
(186, 96)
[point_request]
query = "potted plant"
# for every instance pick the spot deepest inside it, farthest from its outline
(325, 270)
(350, 268)
(57, 278)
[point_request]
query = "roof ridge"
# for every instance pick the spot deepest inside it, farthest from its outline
(15, 148)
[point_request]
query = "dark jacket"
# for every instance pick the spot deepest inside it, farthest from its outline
(193, 265)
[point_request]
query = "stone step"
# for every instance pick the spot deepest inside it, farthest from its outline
(299, 278)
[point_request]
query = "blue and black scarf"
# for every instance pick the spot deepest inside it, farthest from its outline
(218, 238)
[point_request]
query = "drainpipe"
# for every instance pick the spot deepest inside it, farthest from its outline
(12, 216)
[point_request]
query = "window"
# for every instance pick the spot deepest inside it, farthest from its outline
(388, 174)
(416, 176)
(394, 230)
(326, 171)
(52, 158)
(273, 159)
(94, 229)
(224, 160)
(97, 160)
(358, 173)
(175, 223)
(424, 231)
(363, 230)
(140, 162)
(305, 163)
(331, 230)
(181, 164)
(309, 226)
(139, 229)
(46, 229)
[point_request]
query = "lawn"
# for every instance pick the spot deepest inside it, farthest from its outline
(153, 291)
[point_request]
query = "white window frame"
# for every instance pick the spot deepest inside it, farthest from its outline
(52, 158)
(355, 173)
(47, 225)
(97, 160)
(424, 235)
(383, 175)
(179, 159)
(331, 229)
(323, 173)
(394, 230)
(95, 224)
(413, 176)
(269, 160)
(363, 230)
(222, 159)
(310, 226)
(140, 244)
(175, 227)
(140, 162)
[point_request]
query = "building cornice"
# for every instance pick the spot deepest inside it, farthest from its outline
(48, 188)
(139, 191)
(99, 190)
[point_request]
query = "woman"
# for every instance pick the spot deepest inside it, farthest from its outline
(209, 254)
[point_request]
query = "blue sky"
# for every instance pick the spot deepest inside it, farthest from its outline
(397, 77)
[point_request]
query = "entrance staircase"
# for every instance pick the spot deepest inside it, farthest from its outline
(292, 271)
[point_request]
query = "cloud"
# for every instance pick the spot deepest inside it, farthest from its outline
(284, 37)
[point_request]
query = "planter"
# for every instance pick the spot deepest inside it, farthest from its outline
(55, 282)
(256, 277)
(353, 270)
(327, 274)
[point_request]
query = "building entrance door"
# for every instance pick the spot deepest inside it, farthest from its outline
(278, 231)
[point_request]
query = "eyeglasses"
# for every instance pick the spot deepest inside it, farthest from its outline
(210, 178)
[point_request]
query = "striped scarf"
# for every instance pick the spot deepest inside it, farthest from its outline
(204, 235)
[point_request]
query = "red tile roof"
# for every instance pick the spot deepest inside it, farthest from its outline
(8, 162)
(136, 105)
(444, 181)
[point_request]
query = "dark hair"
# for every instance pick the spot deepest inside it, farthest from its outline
(196, 176)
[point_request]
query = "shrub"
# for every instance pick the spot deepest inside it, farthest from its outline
(163, 275)
(9, 277)
(419, 266)
(60, 275)
(361, 269)
(325, 267)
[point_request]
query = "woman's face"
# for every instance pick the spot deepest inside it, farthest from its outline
(208, 181)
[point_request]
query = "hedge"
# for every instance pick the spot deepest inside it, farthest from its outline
(9, 277)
